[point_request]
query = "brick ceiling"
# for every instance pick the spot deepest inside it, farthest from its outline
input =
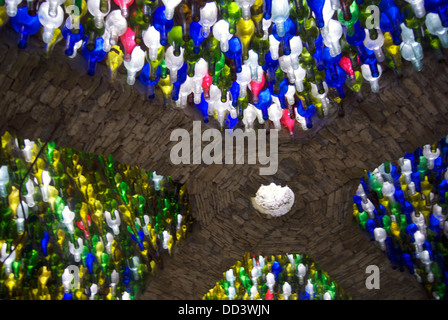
(54, 99)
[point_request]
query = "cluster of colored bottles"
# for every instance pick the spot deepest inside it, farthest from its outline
(279, 277)
(403, 207)
(75, 226)
(285, 62)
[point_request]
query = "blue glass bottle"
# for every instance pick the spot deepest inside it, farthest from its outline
(144, 78)
(330, 62)
(290, 31)
(337, 83)
(203, 108)
(276, 269)
(399, 194)
(306, 113)
(366, 55)
(440, 7)
(383, 209)
(415, 177)
(162, 24)
(434, 225)
(25, 25)
(394, 173)
(181, 77)
(67, 296)
(407, 261)
(318, 54)
(235, 53)
(370, 226)
(378, 217)
(317, 7)
(139, 239)
(427, 246)
(71, 38)
(410, 156)
(196, 36)
(443, 189)
(304, 295)
(283, 88)
(391, 20)
(44, 244)
(357, 200)
(90, 260)
(443, 146)
(264, 102)
(410, 230)
(93, 56)
(234, 93)
(440, 168)
(267, 9)
(393, 253)
(407, 209)
(270, 66)
(127, 277)
(231, 122)
(365, 185)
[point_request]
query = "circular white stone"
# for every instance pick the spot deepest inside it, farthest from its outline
(273, 200)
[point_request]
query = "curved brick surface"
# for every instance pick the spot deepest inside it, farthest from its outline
(54, 99)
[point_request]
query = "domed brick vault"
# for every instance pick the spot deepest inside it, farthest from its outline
(54, 99)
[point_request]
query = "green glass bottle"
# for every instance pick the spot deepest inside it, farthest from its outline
(356, 85)
(308, 63)
(243, 102)
(190, 57)
(320, 78)
(49, 150)
(147, 8)
(219, 66)
(310, 35)
(433, 42)
(234, 16)
(138, 25)
(92, 32)
(412, 22)
(212, 54)
(393, 55)
(163, 70)
(195, 7)
(352, 14)
(154, 64)
(31, 4)
(261, 47)
(351, 53)
(279, 76)
(363, 217)
(345, 11)
(300, 12)
(175, 38)
(306, 94)
(257, 17)
(183, 18)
